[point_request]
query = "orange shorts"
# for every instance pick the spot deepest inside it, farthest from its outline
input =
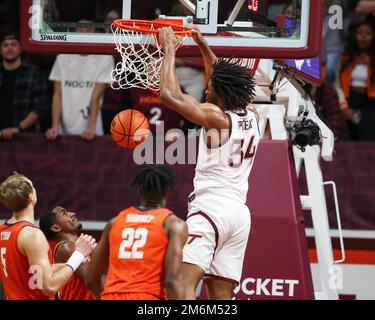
(130, 296)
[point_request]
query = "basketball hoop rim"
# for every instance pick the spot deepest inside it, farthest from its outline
(144, 26)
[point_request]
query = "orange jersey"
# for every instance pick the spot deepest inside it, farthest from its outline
(75, 289)
(137, 247)
(14, 266)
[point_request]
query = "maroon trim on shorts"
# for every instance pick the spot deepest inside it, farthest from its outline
(199, 213)
(222, 278)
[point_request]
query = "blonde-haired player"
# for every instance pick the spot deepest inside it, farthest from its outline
(25, 256)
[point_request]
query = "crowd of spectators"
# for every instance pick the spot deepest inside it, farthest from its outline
(69, 94)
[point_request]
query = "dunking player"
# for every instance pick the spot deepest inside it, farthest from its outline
(62, 228)
(142, 245)
(218, 219)
(25, 268)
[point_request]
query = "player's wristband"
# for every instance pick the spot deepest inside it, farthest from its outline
(75, 260)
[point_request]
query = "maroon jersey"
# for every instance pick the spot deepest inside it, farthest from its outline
(150, 105)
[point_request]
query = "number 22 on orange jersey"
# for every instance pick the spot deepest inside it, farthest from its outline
(133, 240)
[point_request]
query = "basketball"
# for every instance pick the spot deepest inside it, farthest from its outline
(129, 128)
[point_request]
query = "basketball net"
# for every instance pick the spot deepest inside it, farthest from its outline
(142, 54)
(141, 59)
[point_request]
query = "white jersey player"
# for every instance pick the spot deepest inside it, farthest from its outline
(218, 218)
(224, 170)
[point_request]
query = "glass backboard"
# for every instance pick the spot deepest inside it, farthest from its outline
(308, 70)
(243, 28)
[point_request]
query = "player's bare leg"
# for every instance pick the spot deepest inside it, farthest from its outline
(218, 289)
(191, 274)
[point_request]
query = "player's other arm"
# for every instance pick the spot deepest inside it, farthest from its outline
(97, 94)
(98, 265)
(207, 115)
(52, 133)
(177, 233)
(209, 57)
(33, 244)
(63, 254)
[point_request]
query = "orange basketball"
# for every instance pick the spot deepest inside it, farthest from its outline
(129, 128)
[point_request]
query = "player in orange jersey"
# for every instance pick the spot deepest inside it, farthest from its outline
(25, 257)
(62, 228)
(141, 249)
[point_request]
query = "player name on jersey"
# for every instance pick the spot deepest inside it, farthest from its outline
(139, 218)
(245, 124)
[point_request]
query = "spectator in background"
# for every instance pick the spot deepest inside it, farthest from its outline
(357, 12)
(79, 85)
(44, 62)
(365, 7)
(150, 105)
(356, 82)
(50, 7)
(333, 43)
(327, 104)
(288, 10)
(112, 15)
(23, 90)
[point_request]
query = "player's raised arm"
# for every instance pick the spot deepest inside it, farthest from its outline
(207, 115)
(177, 234)
(209, 57)
(34, 245)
